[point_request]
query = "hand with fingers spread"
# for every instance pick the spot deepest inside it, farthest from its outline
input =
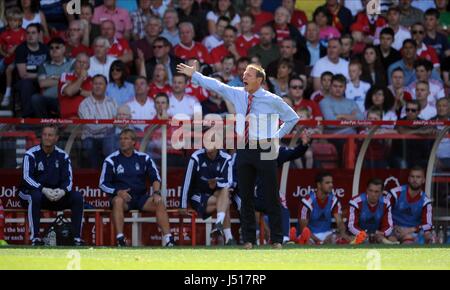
(186, 70)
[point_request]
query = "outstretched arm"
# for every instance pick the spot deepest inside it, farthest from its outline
(229, 93)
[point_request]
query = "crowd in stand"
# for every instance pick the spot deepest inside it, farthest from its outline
(328, 59)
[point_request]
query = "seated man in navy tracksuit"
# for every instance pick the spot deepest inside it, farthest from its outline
(47, 184)
(124, 176)
(206, 188)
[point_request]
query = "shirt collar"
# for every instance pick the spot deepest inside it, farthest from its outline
(54, 63)
(258, 93)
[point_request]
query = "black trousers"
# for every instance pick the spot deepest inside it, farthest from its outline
(249, 166)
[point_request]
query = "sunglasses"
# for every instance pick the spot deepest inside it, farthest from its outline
(418, 32)
(297, 87)
(411, 110)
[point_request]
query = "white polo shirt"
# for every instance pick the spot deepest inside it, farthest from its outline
(184, 106)
(324, 64)
(142, 112)
(96, 67)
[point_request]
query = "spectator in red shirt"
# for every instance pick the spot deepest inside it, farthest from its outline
(119, 48)
(248, 38)
(75, 35)
(159, 81)
(296, 93)
(283, 29)
(342, 17)
(74, 87)
(227, 48)
(325, 85)
(298, 17)
(424, 51)
(359, 33)
(195, 90)
(188, 48)
(10, 38)
(261, 17)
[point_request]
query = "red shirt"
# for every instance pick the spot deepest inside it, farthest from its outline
(154, 89)
(73, 51)
(261, 19)
(219, 53)
(299, 18)
(9, 39)
(197, 51)
(196, 91)
(369, 27)
(119, 47)
(427, 52)
(311, 106)
(243, 44)
(69, 105)
(282, 33)
(317, 97)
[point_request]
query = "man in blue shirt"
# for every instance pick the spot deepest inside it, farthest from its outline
(47, 184)
(255, 158)
(124, 175)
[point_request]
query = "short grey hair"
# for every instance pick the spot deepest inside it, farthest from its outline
(102, 40)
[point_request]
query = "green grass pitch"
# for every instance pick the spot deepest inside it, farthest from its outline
(208, 258)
